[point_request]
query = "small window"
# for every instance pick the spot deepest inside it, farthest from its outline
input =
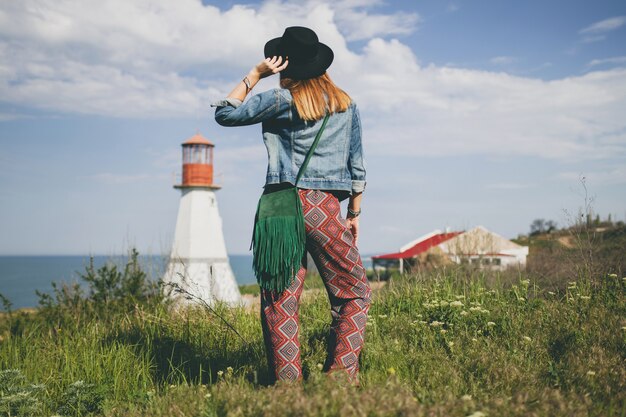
(496, 261)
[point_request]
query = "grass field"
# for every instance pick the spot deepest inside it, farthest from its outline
(447, 343)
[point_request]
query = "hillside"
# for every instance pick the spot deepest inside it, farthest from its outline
(447, 343)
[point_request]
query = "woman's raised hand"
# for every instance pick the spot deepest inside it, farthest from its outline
(270, 66)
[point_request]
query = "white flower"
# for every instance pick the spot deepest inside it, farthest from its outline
(456, 304)
(436, 323)
(320, 366)
(551, 293)
(525, 282)
(591, 373)
(484, 311)
(464, 313)
(612, 275)
(220, 373)
(450, 344)
(474, 339)
(466, 397)
(207, 395)
(382, 316)
(442, 331)
(475, 309)
(527, 339)
(490, 324)
(585, 297)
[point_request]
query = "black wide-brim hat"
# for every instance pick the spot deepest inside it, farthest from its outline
(308, 57)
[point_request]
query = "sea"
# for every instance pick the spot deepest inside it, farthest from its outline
(21, 276)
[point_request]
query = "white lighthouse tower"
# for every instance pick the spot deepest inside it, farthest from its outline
(199, 262)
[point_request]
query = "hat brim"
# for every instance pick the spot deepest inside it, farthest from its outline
(311, 69)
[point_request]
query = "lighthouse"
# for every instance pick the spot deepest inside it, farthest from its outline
(198, 261)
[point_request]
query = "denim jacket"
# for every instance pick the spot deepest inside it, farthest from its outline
(337, 163)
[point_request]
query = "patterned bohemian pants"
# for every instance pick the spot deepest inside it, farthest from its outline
(332, 247)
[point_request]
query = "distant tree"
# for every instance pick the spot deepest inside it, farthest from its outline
(537, 227)
(551, 226)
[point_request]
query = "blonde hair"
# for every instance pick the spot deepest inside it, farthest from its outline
(313, 97)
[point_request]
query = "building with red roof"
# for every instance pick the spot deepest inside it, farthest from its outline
(477, 246)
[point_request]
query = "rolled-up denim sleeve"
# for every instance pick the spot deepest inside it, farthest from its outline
(356, 163)
(258, 108)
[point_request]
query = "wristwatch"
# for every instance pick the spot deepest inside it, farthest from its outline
(352, 214)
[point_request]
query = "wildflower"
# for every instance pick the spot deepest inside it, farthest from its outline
(443, 331)
(320, 366)
(229, 370)
(450, 344)
(171, 385)
(585, 297)
(571, 283)
(474, 339)
(527, 339)
(475, 309)
(456, 304)
(612, 275)
(464, 313)
(207, 395)
(382, 316)
(444, 304)
(436, 323)
(466, 397)
(591, 373)
(490, 324)
(423, 322)
(551, 293)
(391, 371)
(220, 373)
(522, 299)
(525, 282)
(484, 311)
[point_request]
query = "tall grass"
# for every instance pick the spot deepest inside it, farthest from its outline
(451, 342)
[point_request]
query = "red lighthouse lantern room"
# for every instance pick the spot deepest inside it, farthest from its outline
(198, 163)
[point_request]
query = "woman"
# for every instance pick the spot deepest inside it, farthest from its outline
(291, 116)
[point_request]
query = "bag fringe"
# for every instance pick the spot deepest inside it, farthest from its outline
(278, 243)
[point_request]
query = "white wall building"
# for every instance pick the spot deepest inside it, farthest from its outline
(477, 246)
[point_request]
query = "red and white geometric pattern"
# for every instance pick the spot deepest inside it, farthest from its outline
(331, 245)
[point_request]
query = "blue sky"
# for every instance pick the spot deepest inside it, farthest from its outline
(473, 113)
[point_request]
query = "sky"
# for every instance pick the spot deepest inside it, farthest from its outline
(490, 113)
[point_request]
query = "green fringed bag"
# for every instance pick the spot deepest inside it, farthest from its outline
(279, 238)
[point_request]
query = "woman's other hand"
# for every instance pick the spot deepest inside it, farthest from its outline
(353, 225)
(270, 66)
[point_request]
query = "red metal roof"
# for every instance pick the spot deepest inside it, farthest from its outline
(198, 139)
(420, 247)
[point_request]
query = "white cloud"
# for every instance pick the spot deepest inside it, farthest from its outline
(605, 25)
(116, 178)
(162, 58)
(612, 60)
(611, 176)
(507, 186)
(503, 60)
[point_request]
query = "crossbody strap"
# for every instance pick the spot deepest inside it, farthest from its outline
(311, 150)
